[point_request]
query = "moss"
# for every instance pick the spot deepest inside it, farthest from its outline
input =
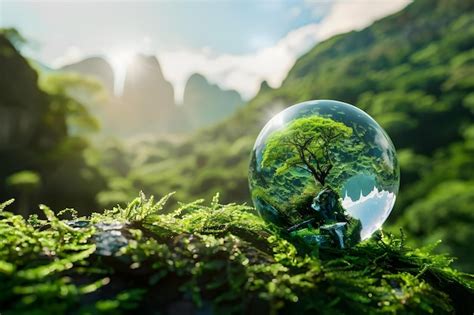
(214, 259)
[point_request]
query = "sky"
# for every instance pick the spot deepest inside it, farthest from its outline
(236, 43)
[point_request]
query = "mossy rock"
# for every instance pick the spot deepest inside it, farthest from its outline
(216, 259)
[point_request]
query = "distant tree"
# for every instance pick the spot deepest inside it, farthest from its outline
(307, 143)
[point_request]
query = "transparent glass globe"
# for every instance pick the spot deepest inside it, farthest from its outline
(324, 171)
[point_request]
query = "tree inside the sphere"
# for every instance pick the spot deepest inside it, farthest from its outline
(312, 145)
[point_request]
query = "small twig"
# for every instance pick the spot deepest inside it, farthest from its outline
(299, 225)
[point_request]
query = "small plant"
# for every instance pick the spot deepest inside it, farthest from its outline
(221, 259)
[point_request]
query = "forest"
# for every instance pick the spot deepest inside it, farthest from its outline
(412, 71)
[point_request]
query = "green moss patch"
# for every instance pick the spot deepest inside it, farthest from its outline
(210, 259)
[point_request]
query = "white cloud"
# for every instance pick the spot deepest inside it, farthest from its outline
(351, 15)
(241, 72)
(244, 73)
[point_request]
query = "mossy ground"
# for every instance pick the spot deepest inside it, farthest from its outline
(215, 259)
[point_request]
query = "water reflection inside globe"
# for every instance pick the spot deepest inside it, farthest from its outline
(324, 171)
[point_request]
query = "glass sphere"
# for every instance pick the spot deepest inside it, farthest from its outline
(324, 171)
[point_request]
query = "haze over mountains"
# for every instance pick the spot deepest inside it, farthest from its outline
(96, 67)
(207, 102)
(147, 101)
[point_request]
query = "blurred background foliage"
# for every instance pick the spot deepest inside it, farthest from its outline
(412, 71)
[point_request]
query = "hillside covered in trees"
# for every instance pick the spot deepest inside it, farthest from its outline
(412, 71)
(145, 102)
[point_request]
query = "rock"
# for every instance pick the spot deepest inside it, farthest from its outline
(303, 224)
(109, 237)
(108, 243)
(336, 231)
(320, 240)
(108, 226)
(328, 205)
(78, 224)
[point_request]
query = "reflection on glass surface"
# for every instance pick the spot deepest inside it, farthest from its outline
(324, 171)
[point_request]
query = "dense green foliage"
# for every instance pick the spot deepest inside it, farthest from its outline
(308, 143)
(412, 92)
(42, 142)
(411, 71)
(216, 259)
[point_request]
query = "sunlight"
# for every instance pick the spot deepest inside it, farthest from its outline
(119, 60)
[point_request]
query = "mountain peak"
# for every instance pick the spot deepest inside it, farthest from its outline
(197, 77)
(94, 66)
(145, 64)
(264, 87)
(207, 102)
